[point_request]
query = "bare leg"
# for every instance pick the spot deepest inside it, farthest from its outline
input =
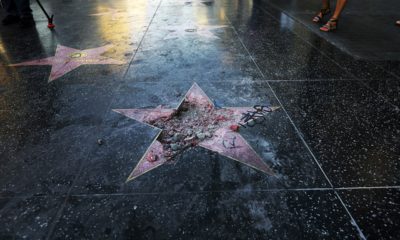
(326, 4)
(332, 23)
(339, 8)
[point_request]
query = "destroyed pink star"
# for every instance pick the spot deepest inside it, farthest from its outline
(67, 59)
(195, 122)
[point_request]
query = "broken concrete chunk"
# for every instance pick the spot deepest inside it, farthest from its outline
(201, 136)
(175, 147)
(189, 132)
(171, 133)
(190, 138)
(177, 137)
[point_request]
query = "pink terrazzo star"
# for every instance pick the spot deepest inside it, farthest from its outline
(196, 112)
(67, 59)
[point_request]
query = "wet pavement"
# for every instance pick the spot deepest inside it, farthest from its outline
(82, 109)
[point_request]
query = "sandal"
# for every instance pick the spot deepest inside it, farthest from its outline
(321, 15)
(331, 25)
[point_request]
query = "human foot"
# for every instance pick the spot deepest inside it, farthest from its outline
(331, 25)
(321, 15)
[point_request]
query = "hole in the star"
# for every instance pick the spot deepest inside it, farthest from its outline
(191, 124)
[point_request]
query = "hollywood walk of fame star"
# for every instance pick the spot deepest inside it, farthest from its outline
(204, 31)
(67, 59)
(114, 13)
(223, 139)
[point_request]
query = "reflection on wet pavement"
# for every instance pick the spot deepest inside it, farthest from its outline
(122, 87)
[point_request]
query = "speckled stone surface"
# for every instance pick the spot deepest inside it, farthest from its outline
(234, 215)
(353, 134)
(377, 211)
(65, 155)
